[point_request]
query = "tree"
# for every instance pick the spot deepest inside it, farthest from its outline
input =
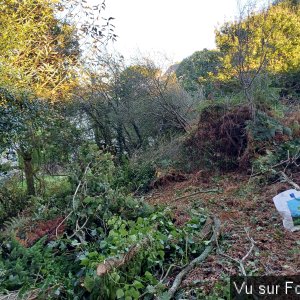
(40, 44)
(21, 127)
(38, 51)
(196, 71)
(126, 106)
(34, 128)
(39, 60)
(259, 42)
(172, 106)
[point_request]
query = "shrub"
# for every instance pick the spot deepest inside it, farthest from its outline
(276, 154)
(12, 199)
(134, 176)
(103, 222)
(267, 128)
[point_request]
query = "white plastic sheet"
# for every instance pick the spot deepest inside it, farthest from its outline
(288, 205)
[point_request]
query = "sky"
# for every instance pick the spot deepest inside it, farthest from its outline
(174, 28)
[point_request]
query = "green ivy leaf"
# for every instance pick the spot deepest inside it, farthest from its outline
(137, 284)
(120, 293)
(89, 283)
(151, 289)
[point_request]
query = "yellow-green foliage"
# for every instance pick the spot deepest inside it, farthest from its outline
(268, 39)
(37, 51)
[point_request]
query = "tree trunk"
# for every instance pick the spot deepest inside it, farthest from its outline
(29, 173)
(98, 139)
(138, 133)
(121, 141)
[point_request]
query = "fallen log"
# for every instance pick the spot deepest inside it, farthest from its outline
(29, 295)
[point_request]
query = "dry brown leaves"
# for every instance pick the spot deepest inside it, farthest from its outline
(28, 235)
(276, 252)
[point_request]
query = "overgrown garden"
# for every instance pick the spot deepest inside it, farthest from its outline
(86, 139)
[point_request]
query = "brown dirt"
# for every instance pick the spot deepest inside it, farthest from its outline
(240, 205)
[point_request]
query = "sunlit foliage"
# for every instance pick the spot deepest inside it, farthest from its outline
(268, 39)
(38, 52)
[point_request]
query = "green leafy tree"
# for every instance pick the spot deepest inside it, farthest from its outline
(197, 71)
(39, 60)
(259, 42)
(35, 129)
(38, 51)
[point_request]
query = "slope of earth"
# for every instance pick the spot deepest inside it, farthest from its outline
(247, 213)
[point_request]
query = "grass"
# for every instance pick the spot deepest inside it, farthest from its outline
(47, 186)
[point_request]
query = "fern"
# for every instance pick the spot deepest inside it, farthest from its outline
(13, 224)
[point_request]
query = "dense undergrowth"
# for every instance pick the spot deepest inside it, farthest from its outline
(76, 223)
(93, 138)
(54, 246)
(99, 222)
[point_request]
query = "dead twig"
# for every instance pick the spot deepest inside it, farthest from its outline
(73, 200)
(289, 161)
(30, 295)
(241, 262)
(197, 260)
(289, 180)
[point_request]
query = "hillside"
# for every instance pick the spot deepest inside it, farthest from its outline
(246, 212)
(121, 181)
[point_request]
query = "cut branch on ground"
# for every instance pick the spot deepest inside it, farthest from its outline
(289, 180)
(241, 262)
(213, 240)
